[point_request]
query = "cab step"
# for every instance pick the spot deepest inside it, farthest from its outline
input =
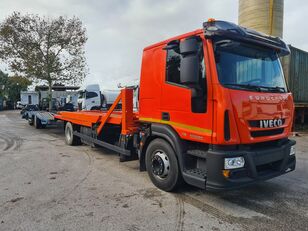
(195, 177)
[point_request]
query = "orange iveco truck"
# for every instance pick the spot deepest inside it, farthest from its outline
(214, 111)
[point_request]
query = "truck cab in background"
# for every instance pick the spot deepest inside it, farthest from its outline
(90, 98)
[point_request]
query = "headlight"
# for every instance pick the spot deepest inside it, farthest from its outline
(292, 150)
(234, 162)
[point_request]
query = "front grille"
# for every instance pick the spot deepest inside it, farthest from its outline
(271, 132)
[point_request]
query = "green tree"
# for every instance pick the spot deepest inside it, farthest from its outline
(10, 86)
(3, 82)
(45, 50)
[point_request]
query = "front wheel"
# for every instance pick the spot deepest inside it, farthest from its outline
(162, 165)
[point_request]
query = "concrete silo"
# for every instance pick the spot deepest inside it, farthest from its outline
(265, 16)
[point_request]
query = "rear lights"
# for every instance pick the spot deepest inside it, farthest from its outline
(234, 162)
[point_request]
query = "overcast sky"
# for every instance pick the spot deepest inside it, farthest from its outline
(118, 30)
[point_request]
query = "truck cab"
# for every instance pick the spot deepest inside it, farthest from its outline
(220, 95)
(90, 98)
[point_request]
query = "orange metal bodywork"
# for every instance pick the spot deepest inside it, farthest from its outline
(158, 96)
(127, 120)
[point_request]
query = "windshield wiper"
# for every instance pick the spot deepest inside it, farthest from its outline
(257, 88)
(276, 89)
(245, 86)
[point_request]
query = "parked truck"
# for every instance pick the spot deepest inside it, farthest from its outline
(92, 98)
(214, 111)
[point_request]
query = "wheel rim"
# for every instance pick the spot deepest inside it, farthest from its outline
(160, 165)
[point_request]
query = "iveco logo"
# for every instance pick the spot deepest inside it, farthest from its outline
(270, 123)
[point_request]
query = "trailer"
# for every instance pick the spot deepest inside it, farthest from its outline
(214, 111)
(41, 119)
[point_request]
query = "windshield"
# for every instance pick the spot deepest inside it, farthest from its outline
(243, 66)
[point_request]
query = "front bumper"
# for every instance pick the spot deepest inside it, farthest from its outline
(260, 164)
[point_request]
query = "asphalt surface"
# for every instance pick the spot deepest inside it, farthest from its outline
(47, 185)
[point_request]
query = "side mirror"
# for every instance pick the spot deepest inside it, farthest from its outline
(189, 46)
(190, 67)
(190, 64)
(86, 94)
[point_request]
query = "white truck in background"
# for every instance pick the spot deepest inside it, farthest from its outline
(92, 98)
(29, 97)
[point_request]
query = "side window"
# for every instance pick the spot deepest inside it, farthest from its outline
(81, 95)
(198, 86)
(173, 67)
(90, 95)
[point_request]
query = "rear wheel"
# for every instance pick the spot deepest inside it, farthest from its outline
(37, 123)
(162, 165)
(70, 138)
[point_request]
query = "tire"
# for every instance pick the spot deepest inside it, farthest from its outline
(157, 152)
(37, 123)
(30, 122)
(71, 139)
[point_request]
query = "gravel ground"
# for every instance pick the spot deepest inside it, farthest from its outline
(47, 185)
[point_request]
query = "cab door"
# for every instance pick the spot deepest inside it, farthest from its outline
(92, 100)
(186, 90)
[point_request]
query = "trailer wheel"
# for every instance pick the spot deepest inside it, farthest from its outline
(70, 138)
(37, 123)
(162, 165)
(30, 121)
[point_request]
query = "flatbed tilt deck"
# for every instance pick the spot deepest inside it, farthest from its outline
(214, 111)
